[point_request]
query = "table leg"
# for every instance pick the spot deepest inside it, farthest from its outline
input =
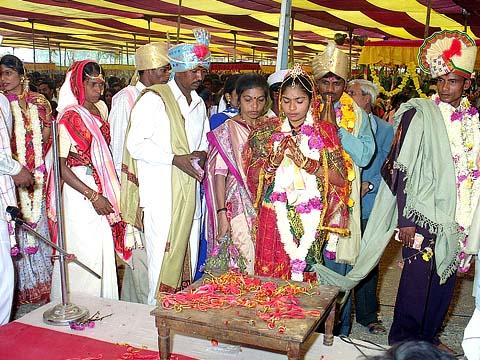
(164, 341)
(293, 351)
(328, 337)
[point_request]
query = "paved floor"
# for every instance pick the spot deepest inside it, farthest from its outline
(461, 308)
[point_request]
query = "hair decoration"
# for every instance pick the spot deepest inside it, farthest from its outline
(296, 73)
(96, 77)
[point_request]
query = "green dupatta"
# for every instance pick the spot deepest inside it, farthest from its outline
(183, 194)
(426, 160)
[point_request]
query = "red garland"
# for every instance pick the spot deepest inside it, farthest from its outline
(273, 302)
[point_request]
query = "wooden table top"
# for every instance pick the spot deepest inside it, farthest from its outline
(245, 320)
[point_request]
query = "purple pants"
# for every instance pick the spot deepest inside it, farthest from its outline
(422, 302)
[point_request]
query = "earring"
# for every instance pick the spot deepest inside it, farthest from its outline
(228, 98)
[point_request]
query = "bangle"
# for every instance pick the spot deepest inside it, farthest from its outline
(94, 197)
(221, 209)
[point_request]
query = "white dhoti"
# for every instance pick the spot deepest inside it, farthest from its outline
(6, 274)
(89, 237)
(471, 337)
(156, 234)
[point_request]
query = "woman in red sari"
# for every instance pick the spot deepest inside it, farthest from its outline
(93, 226)
(296, 169)
(29, 142)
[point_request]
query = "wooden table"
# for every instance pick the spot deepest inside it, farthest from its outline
(242, 326)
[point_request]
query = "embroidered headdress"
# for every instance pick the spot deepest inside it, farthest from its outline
(331, 60)
(151, 56)
(448, 51)
(184, 57)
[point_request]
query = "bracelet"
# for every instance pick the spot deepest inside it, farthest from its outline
(221, 209)
(312, 166)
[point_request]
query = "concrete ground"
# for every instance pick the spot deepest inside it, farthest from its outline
(461, 309)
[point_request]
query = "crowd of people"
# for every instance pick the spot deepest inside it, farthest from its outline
(295, 176)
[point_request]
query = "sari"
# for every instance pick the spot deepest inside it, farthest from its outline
(314, 211)
(33, 265)
(225, 157)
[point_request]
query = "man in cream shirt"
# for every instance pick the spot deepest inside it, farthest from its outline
(151, 143)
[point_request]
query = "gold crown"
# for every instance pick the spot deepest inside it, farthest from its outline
(151, 56)
(331, 60)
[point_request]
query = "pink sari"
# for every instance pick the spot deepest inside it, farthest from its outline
(226, 145)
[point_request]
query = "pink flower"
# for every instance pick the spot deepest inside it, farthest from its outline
(233, 251)
(461, 178)
(302, 208)
(42, 168)
(476, 174)
(472, 111)
(456, 116)
(315, 142)
(297, 265)
(31, 250)
(14, 251)
(215, 250)
(307, 130)
(315, 203)
(278, 136)
(200, 51)
(277, 196)
(331, 255)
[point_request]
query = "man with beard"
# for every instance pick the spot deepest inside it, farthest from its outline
(168, 141)
(330, 70)
(152, 67)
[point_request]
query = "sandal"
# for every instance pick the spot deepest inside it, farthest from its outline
(376, 328)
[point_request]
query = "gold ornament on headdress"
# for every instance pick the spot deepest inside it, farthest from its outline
(151, 56)
(295, 74)
(96, 77)
(331, 60)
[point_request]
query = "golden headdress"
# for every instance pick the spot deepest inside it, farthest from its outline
(331, 60)
(151, 56)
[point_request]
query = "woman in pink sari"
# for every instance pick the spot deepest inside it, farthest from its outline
(229, 203)
(93, 226)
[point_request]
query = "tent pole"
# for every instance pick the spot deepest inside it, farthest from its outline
(283, 32)
(350, 36)
(427, 20)
(33, 44)
(253, 53)
(179, 20)
(292, 60)
(59, 55)
(465, 14)
(49, 50)
(149, 19)
(234, 32)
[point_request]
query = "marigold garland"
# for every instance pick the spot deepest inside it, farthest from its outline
(410, 73)
(272, 301)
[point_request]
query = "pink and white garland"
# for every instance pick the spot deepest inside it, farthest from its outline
(299, 189)
(31, 208)
(463, 131)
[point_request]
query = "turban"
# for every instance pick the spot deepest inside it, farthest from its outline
(184, 57)
(448, 51)
(151, 56)
(331, 60)
(277, 77)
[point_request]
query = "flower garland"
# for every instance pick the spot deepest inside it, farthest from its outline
(31, 206)
(297, 188)
(273, 302)
(410, 73)
(462, 125)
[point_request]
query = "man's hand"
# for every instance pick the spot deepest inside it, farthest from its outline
(407, 235)
(365, 188)
(202, 155)
(24, 178)
(184, 163)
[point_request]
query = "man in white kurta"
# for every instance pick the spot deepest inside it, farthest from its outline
(152, 67)
(149, 142)
(11, 173)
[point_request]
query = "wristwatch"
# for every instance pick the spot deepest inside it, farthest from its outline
(370, 187)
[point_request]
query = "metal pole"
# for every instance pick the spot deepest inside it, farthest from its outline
(49, 50)
(253, 53)
(64, 313)
(350, 36)
(128, 63)
(292, 60)
(179, 20)
(283, 35)
(427, 21)
(33, 43)
(149, 19)
(59, 55)
(234, 32)
(465, 14)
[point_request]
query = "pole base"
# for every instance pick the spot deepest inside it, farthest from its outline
(63, 314)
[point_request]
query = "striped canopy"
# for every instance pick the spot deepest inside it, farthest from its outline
(118, 25)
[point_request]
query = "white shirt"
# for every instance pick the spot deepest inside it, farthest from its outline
(118, 119)
(148, 141)
(8, 166)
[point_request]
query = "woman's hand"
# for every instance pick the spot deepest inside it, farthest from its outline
(102, 206)
(295, 154)
(223, 227)
(277, 157)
